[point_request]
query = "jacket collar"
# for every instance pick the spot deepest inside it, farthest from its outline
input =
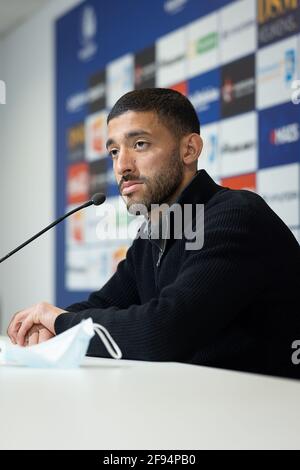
(200, 189)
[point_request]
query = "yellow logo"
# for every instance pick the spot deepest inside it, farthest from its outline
(271, 9)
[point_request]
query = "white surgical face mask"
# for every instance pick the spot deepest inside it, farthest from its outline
(65, 350)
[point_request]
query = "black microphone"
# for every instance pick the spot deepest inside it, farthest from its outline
(96, 200)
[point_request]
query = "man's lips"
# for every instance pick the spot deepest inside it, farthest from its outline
(130, 186)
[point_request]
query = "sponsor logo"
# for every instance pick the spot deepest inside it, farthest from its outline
(238, 87)
(76, 102)
(201, 100)
(287, 64)
(76, 228)
(212, 148)
(98, 176)
(120, 78)
(238, 145)
(296, 92)
(145, 68)
(277, 30)
(202, 38)
(276, 72)
(210, 157)
(279, 186)
(171, 58)
(290, 65)
(270, 9)
(240, 28)
(174, 6)
(204, 94)
(78, 183)
(75, 142)
(232, 91)
(227, 90)
(285, 134)
(144, 74)
(88, 31)
(285, 196)
(206, 43)
(238, 148)
(171, 61)
(97, 92)
(279, 135)
(96, 136)
(2, 92)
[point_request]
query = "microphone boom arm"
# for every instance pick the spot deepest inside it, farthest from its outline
(97, 199)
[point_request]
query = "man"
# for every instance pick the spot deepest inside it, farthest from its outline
(232, 302)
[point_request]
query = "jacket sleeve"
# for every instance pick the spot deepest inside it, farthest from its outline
(213, 286)
(119, 292)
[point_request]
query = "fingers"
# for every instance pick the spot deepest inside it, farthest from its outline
(41, 313)
(44, 335)
(24, 329)
(15, 324)
(13, 337)
(33, 338)
(12, 327)
(20, 316)
(37, 334)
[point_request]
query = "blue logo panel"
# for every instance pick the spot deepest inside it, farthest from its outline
(204, 93)
(279, 135)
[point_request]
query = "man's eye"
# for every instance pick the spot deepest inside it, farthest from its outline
(113, 153)
(141, 144)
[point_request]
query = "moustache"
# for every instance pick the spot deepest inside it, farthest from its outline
(130, 177)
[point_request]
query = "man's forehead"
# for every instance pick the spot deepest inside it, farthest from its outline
(134, 118)
(131, 124)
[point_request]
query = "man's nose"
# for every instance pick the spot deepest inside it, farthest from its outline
(125, 162)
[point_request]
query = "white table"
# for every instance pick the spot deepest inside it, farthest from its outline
(109, 404)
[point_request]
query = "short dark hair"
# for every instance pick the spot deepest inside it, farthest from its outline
(174, 110)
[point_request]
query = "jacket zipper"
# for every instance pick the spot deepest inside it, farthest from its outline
(161, 252)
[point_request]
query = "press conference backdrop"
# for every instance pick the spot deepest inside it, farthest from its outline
(235, 60)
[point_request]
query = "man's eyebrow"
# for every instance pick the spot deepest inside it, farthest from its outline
(129, 135)
(109, 143)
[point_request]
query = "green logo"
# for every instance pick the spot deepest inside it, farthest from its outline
(207, 43)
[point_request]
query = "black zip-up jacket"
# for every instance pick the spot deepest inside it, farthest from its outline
(234, 303)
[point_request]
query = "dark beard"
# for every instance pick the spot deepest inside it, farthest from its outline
(160, 188)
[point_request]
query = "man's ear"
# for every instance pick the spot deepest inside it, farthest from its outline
(191, 148)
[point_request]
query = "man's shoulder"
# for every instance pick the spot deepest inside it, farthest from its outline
(243, 209)
(248, 202)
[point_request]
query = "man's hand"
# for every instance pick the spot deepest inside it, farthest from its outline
(37, 334)
(42, 316)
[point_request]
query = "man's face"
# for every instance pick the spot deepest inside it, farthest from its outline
(146, 158)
